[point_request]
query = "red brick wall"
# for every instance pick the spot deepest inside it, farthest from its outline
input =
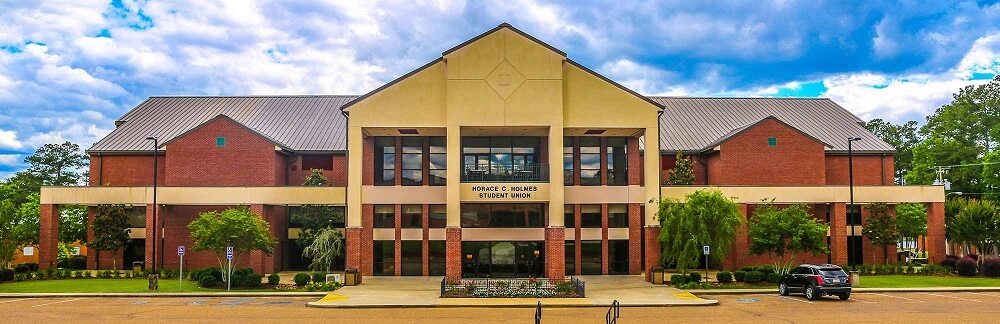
(555, 253)
(368, 158)
(652, 251)
(714, 168)
(176, 219)
(245, 160)
(453, 257)
(935, 232)
(336, 177)
(49, 239)
(869, 170)
(635, 166)
(669, 161)
(635, 239)
(746, 159)
(126, 170)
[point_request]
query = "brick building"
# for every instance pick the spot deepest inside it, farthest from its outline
(502, 158)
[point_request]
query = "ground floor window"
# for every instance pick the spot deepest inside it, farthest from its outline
(590, 257)
(436, 257)
(570, 258)
(384, 258)
(504, 259)
(618, 257)
(411, 258)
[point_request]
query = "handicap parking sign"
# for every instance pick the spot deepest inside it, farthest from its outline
(180, 250)
(229, 252)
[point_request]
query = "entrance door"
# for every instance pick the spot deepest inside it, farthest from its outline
(502, 260)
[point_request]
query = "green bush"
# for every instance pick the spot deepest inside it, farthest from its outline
(21, 268)
(77, 262)
(243, 271)
(754, 276)
(740, 276)
(724, 276)
(214, 272)
(326, 286)
(301, 279)
(966, 267)
(773, 277)
(748, 269)
(207, 281)
(273, 279)
(318, 277)
(253, 280)
(694, 277)
(6, 275)
(678, 279)
(238, 280)
(767, 268)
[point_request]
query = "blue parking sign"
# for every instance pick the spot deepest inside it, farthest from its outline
(705, 249)
(180, 250)
(229, 252)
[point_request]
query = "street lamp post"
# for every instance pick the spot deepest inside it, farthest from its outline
(153, 277)
(850, 176)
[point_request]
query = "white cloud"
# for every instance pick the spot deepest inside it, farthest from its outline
(644, 79)
(9, 159)
(8, 140)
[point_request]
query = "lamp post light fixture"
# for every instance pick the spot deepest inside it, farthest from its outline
(153, 278)
(850, 176)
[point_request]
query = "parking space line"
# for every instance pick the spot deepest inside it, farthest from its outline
(15, 300)
(899, 297)
(959, 298)
(792, 299)
(861, 300)
(61, 301)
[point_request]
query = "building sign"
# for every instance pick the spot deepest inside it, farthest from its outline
(505, 191)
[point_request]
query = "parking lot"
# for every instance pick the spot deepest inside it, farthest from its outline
(966, 307)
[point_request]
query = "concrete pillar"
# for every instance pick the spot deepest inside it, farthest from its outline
(48, 240)
(935, 232)
(838, 233)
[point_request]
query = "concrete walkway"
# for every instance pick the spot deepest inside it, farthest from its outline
(630, 291)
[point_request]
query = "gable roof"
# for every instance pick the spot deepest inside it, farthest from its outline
(694, 124)
(226, 118)
(300, 123)
(742, 129)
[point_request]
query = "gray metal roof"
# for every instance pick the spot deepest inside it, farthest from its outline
(693, 124)
(302, 123)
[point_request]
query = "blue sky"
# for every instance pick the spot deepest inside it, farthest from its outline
(68, 68)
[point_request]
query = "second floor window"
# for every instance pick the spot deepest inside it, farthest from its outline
(413, 161)
(385, 161)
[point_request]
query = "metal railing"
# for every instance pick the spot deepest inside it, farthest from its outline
(612, 316)
(514, 287)
(505, 173)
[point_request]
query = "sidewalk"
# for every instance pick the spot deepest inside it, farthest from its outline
(381, 292)
(858, 290)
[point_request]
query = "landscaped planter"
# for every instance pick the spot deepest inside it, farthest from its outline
(513, 288)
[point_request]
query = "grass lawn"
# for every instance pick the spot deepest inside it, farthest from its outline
(103, 286)
(894, 281)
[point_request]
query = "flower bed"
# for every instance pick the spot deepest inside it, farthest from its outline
(513, 288)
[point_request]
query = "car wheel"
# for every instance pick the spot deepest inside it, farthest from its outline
(845, 296)
(811, 293)
(783, 289)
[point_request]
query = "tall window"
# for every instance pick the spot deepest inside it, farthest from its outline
(569, 216)
(570, 258)
(568, 160)
(502, 215)
(413, 161)
(436, 255)
(590, 216)
(385, 216)
(438, 161)
(617, 162)
(437, 216)
(618, 216)
(384, 258)
(411, 258)
(501, 158)
(617, 256)
(590, 161)
(385, 161)
(412, 216)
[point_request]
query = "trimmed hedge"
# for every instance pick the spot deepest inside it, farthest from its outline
(253, 280)
(206, 281)
(301, 279)
(754, 277)
(694, 277)
(678, 279)
(991, 267)
(950, 261)
(724, 277)
(318, 277)
(967, 267)
(273, 279)
(772, 277)
(740, 276)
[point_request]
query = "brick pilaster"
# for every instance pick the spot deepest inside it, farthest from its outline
(838, 233)
(399, 234)
(453, 248)
(634, 239)
(48, 239)
(352, 245)
(605, 258)
(367, 240)
(151, 230)
(368, 156)
(555, 252)
(425, 249)
(935, 232)
(653, 250)
(257, 259)
(634, 161)
(738, 255)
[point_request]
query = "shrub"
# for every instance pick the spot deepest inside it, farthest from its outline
(333, 285)
(207, 281)
(740, 276)
(974, 256)
(243, 271)
(238, 280)
(910, 269)
(694, 277)
(77, 262)
(966, 266)
(273, 279)
(21, 268)
(87, 274)
(6, 275)
(754, 277)
(301, 279)
(166, 273)
(214, 272)
(748, 269)
(724, 276)
(319, 277)
(773, 277)
(949, 261)
(678, 279)
(991, 267)
(253, 280)
(765, 269)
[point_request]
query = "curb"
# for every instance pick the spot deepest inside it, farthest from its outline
(857, 290)
(326, 305)
(146, 295)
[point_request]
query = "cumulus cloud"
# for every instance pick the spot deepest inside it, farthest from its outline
(9, 159)
(8, 140)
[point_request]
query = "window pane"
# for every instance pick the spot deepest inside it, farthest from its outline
(389, 161)
(475, 145)
(412, 178)
(570, 258)
(385, 216)
(437, 177)
(590, 257)
(436, 255)
(437, 216)
(411, 258)
(590, 216)
(525, 144)
(438, 161)
(412, 216)
(590, 161)
(388, 177)
(618, 216)
(590, 144)
(438, 144)
(569, 217)
(413, 161)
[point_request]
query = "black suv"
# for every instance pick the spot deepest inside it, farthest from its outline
(815, 281)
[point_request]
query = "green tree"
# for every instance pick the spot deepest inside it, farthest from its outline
(964, 131)
(238, 227)
(111, 231)
(881, 228)
(903, 137)
(314, 218)
(10, 218)
(705, 218)
(787, 231)
(978, 224)
(28, 230)
(58, 164)
(683, 171)
(911, 221)
(326, 246)
(72, 224)
(19, 188)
